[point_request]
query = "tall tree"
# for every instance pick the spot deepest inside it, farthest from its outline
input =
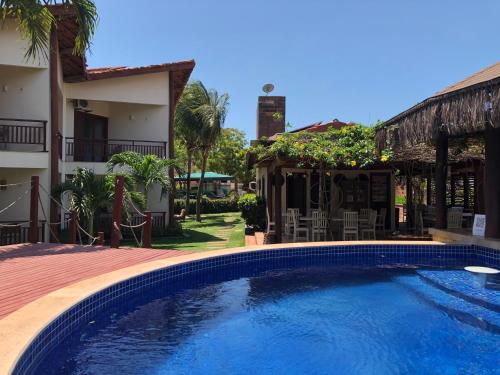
(90, 193)
(187, 126)
(228, 156)
(212, 113)
(147, 170)
(36, 22)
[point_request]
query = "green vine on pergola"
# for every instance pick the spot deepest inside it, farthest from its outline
(350, 146)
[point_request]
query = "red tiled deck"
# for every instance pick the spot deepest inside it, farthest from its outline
(28, 272)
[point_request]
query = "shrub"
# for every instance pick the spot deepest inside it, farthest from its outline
(208, 206)
(253, 210)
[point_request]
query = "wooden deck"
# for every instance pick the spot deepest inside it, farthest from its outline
(28, 271)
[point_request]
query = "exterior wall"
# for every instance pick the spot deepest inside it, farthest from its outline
(20, 211)
(142, 89)
(157, 202)
(129, 121)
(24, 93)
(14, 48)
(16, 159)
(137, 108)
(261, 178)
(138, 121)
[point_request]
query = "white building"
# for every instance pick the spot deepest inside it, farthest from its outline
(57, 115)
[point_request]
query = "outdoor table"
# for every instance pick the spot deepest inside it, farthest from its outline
(308, 220)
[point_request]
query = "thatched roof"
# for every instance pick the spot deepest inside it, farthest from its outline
(457, 110)
(460, 151)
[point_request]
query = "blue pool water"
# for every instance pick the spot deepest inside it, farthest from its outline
(319, 320)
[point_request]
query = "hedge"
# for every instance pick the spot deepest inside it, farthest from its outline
(208, 206)
(253, 210)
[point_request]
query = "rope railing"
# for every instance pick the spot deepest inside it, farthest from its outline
(15, 201)
(80, 229)
(133, 226)
(94, 239)
(76, 228)
(54, 199)
(15, 225)
(131, 202)
(14, 184)
(47, 220)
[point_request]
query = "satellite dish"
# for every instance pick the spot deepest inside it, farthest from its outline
(267, 88)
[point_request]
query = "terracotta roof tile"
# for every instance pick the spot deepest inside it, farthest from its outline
(317, 127)
(123, 71)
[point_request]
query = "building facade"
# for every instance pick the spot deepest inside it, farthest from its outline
(56, 115)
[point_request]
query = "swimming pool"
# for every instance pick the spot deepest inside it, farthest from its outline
(371, 309)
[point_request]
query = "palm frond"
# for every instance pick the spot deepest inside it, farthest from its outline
(36, 21)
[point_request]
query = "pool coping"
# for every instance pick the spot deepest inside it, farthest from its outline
(20, 328)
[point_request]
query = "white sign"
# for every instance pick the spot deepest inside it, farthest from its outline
(479, 225)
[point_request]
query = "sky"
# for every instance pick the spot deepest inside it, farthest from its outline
(356, 61)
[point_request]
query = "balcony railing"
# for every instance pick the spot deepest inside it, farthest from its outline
(12, 232)
(23, 135)
(102, 150)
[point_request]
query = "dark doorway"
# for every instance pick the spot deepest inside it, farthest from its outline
(296, 189)
(91, 135)
(380, 194)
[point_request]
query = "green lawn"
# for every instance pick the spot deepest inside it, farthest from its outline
(216, 231)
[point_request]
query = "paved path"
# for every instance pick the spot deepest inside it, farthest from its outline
(223, 232)
(28, 272)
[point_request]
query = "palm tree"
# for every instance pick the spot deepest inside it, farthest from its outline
(36, 22)
(147, 170)
(91, 193)
(187, 127)
(212, 113)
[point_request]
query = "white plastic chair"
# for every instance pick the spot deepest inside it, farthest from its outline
(319, 225)
(290, 214)
(364, 214)
(299, 228)
(350, 225)
(271, 225)
(380, 224)
(454, 219)
(368, 232)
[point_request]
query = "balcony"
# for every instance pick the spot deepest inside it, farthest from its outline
(23, 135)
(100, 151)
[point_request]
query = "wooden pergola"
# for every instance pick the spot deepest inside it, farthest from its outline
(276, 178)
(466, 112)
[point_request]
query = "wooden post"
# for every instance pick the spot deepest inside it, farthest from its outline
(478, 188)
(170, 144)
(100, 238)
(146, 242)
(269, 195)
(72, 227)
(466, 191)
(409, 202)
(453, 190)
(54, 129)
(117, 213)
(428, 198)
(492, 182)
(33, 231)
(440, 180)
(277, 202)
